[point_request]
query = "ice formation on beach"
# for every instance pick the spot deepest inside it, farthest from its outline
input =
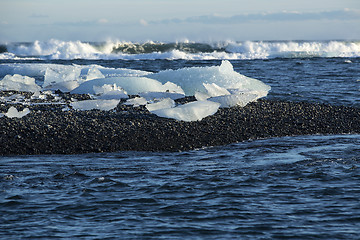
(19, 83)
(110, 91)
(100, 104)
(165, 103)
(132, 85)
(193, 111)
(161, 95)
(213, 87)
(192, 80)
(14, 113)
(137, 101)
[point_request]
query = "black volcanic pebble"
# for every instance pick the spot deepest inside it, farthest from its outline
(49, 130)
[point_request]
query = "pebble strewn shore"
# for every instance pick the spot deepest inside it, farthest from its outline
(50, 130)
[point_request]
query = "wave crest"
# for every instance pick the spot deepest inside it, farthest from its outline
(57, 49)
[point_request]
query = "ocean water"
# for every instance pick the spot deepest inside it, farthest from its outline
(295, 187)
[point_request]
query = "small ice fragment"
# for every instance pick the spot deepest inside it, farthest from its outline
(138, 101)
(56, 74)
(193, 111)
(161, 95)
(66, 86)
(200, 96)
(92, 73)
(241, 100)
(191, 79)
(106, 88)
(100, 104)
(215, 90)
(115, 94)
(19, 83)
(132, 85)
(173, 88)
(14, 113)
(165, 103)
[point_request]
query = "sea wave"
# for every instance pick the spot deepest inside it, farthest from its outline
(57, 49)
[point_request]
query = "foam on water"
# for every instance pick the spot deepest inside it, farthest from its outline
(56, 49)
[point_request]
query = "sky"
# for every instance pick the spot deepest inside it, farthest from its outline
(179, 20)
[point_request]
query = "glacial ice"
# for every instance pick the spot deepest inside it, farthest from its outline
(191, 79)
(214, 90)
(61, 74)
(91, 73)
(193, 111)
(110, 91)
(239, 99)
(19, 83)
(100, 104)
(161, 95)
(63, 86)
(165, 103)
(137, 101)
(213, 87)
(132, 85)
(14, 113)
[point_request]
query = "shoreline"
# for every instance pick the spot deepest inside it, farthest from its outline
(50, 130)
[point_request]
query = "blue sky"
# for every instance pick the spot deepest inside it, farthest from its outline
(169, 20)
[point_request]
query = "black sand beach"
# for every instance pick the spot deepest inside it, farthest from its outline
(50, 130)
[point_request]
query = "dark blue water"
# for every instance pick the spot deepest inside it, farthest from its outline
(292, 187)
(296, 187)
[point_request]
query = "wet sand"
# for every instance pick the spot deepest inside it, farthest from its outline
(50, 130)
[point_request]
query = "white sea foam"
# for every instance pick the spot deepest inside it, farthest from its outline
(56, 49)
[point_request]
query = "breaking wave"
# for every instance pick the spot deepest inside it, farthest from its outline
(57, 49)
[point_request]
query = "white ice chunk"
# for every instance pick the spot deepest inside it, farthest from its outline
(173, 88)
(132, 85)
(161, 95)
(38, 70)
(165, 103)
(240, 99)
(115, 94)
(110, 91)
(193, 111)
(200, 96)
(14, 113)
(91, 73)
(121, 72)
(19, 83)
(191, 79)
(214, 90)
(38, 95)
(106, 88)
(138, 101)
(56, 74)
(100, 104)
(63, 86)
